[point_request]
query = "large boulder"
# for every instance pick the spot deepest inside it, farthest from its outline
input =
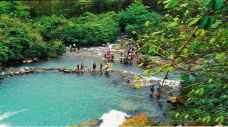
(139, 120)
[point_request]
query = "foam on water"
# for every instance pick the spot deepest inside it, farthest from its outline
(113, 118)
(8, 114)
(4, 125)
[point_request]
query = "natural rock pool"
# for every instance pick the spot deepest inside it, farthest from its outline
(57, 99)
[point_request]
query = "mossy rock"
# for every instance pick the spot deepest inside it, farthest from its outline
(137, 121)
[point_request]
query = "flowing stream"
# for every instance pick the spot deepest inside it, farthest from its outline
(57, 99)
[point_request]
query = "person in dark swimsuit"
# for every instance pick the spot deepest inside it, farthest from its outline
(94, 66)
(101, 66)
(82, 66)
(78, 48)
(78, 67)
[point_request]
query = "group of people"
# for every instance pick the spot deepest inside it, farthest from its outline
(131, 54)
(109, 56)
(73, 47)
(107, 67)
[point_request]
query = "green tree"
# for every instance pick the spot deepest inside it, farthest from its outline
(195, 42)
(133, 19)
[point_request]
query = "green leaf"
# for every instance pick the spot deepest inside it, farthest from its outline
(136, 78)
(152, 50)
(184, 5)
(218, 4)
(206, 2)
(210, 80)
(210, 21)
(216, 24)
(186, 116)
(203, 22)
(138, 85)
(194, 21)
(206, 119)
(171, 4)
(148, 72)
(212, 40)
(177, 114)
(220, 119)
(201, 91)
(220, 57)
(140, 65)
(185, 76)
(206, 22)
(173, 24)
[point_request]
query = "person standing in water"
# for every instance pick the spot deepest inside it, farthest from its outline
(74, 46)
(78, 48)
(82, 66)
(94, 66)
(70, 46)
(101, 66)
(78, 67)
(108, 55)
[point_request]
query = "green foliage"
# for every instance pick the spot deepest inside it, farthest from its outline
(190, 36)
(14, 8)
(20, 39)
(195, 42)
(133, 19)
(51, 27)
(90, 29)
(71, 8)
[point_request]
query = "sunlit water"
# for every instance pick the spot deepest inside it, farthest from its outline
(57, 99)
(71, 61)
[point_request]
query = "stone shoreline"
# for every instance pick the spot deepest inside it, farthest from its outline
(131, 78)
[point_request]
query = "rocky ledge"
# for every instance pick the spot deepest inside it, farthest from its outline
(134, 80)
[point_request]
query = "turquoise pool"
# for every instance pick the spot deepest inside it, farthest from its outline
(57, 99)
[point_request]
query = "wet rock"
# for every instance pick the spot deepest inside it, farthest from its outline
(176, 100)
(2, 75)
(89, 123)
(24, 70)
(28, 61)
(67, 71)
(139, 120)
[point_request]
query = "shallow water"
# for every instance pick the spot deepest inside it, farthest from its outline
(57, 99)
(70, 61)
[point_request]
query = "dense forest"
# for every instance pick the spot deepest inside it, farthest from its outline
(190, 35)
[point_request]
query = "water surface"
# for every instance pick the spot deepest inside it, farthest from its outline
(57, 99)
